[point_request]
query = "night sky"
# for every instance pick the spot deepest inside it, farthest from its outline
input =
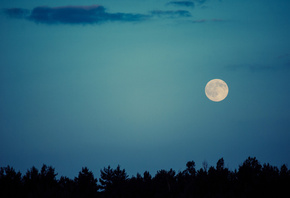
(97, 83)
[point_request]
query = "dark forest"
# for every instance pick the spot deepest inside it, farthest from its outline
(251, 179)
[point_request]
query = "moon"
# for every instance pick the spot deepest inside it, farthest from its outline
(216, 90)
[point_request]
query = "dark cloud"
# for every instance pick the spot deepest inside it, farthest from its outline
(94, 14)
(182, 3)
(80, 15)
(16, 12)
(74, 15)
(171, 13)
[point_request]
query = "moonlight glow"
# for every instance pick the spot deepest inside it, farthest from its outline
(216, 90)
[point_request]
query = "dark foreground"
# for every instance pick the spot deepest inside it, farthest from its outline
(250, 180)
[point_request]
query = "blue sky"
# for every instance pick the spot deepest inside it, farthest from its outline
(97, 83)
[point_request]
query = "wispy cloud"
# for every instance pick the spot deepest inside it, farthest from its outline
(207, 20)
(283, 56)
(182, 3)
(171, 13)
(73, 15)
(259, 68)
(200, 1)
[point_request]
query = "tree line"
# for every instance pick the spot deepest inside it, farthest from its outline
(250, 180)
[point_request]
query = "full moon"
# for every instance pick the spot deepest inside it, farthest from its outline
(216, 90)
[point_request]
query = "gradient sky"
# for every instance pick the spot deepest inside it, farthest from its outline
(97, 83)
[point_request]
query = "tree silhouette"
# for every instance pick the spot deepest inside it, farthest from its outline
(165, 183)
(86, 183)
(32, 176)
(10, 182)
(67, 188)
(141, 186)
(205, 166)
(284, 172)
(107, 177)
(113, 181)
(39, 184)
(248, 177)
(119, 176)
(32, 183)
(190, 168)
(249, 171)
(284, 181)
(47, 177)
(250, 180)
(220, 164)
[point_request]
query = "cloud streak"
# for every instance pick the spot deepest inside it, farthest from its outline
(259, 68)
(80, 15)
(97, 14)
(200, 1)
(171, 13)
(182, 3)
(93, 14)
(207, 20)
